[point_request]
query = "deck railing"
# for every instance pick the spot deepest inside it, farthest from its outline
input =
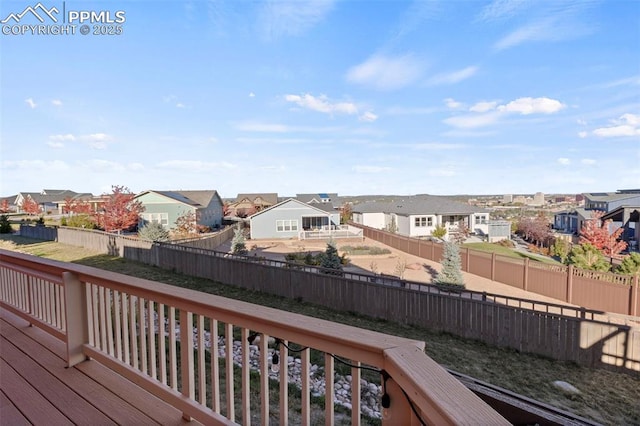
(178, 344)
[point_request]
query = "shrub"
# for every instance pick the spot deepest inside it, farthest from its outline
(154, 231)
(630, 265)
(505, 243)
(587, 256)
(5, 226)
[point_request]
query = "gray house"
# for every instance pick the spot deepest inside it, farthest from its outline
(165, 207)
(288, 218)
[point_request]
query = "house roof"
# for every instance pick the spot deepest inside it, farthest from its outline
(424, 204)
(311, 206)
(318, 197)
(197, 199)
(270, 197)
(618, 213)
(49, 196)
(609, 196)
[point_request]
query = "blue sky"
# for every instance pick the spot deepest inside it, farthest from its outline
(354, 97)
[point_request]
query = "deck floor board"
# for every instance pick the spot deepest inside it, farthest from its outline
(37, 388)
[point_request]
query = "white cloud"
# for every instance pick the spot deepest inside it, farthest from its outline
(370, 169)
(472, 120)
(195, 165)
(56, 102)
(262, 127)
(627, 125)
(31, 103)
(581, 122)
(37, 165)
(483, 106)
(322, 104)
(441, 172)
(435, 146)
(487, 113)
(588, 161)
(526, 106)
(281, 18)
(180, 105)
(453, 104)
(500, 9)
(97, 140)
(583, 134)
(368, 117)
(453, 77)
(55, 145)
(104, 166)
(386, 73)
(252, 95)
(564, 161)
(62, 138)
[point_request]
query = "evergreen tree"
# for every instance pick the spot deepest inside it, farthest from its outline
(451, 273)
(5, 226)
(238, 245)
(154, 231)
(587, 256)
(331, 260)
(630, 265)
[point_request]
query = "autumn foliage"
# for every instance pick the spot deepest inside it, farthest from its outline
(31, 207)
(595, 231)
(77, 206)
(535, 229)
(4, 206)
(119, 212)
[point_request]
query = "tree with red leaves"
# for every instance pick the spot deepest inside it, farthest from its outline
(119, 212)
(595, 231)
(31, 207)
(77, 206)
(4, 206)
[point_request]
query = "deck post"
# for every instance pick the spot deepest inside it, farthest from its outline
(75, 301)
(399, 411)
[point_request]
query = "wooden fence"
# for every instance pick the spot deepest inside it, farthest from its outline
(559, 332)
(602, 291)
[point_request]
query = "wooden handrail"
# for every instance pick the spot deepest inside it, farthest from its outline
(423, 384)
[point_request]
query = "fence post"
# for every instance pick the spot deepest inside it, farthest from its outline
(569, 296)
(468, 262)
(525, 275)
(75, 302)
(493, 266)
(633, 299)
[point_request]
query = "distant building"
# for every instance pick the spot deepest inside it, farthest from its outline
(521, 199)
(165, 207)
(538, 199)
(507, 198)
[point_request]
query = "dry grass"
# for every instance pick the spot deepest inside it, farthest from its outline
(607, 397)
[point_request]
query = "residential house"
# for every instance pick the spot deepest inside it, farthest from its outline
(331, 199)
(418, 216)
(627, 217)
(571, 221)
(289, 217)
(609, 201)
(165, 207)
(248, 204)
(49, 200)
(9, 202)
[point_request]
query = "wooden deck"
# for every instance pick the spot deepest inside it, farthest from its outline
(37, 388)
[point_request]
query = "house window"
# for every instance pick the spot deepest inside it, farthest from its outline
(286, 225)
(161, 218)
(480, 219)
(420, 221)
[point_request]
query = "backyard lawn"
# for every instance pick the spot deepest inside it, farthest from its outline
(510, 252)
